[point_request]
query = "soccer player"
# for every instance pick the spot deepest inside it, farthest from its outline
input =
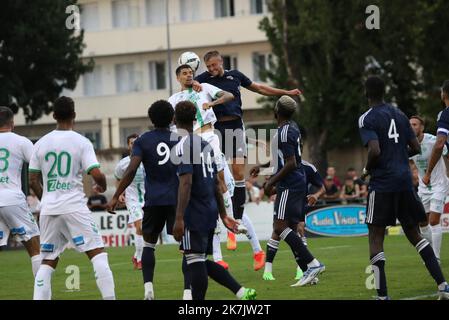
(289, 185)
(387, 133)
(433, 195)
(60, 158)
(134, 199)
(15, 215)
(199, 202)
(153, 150)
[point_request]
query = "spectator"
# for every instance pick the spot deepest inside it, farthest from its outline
(352, 173)
(253, 190)
(350, 190)
(97, 201)
(333, 173)
(332, 192)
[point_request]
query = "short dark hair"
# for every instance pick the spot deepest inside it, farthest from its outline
(64, 108)
(375, 88)
(182, 67)
(211, 54)
(161, 113)
(445, 87)
(350, 169)
(131, 136)
(185, 112)
(6, 116)
(420, 119)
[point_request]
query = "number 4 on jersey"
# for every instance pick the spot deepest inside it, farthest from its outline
(392, 132)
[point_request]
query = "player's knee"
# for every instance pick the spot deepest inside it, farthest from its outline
(279, 226)
(434, 219)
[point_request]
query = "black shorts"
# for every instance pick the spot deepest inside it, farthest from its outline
(155, 218)
(197, 242)
(384, 208)
(232, 138)
(289, 206)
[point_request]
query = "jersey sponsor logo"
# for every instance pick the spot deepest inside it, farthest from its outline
(1, 235)
(54, 185)
(47, 247)
(19, 231)
(4, 180)
(78, 241)
(230, 77)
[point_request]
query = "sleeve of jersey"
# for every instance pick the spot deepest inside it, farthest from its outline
(201, 77)
(367, 132)
(443, 123)
(137, 148)
(118, 173)
(244, 80)
(316, 180)
(27, 150)
(212, 91)
(288, 143)
(34, 166)
(89, 159)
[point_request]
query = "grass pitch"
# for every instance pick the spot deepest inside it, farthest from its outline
(346, 260)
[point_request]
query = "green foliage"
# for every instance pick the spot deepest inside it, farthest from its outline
(39, 55)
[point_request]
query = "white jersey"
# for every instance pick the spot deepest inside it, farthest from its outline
(439, 181)
(135, 193)
(62, 157)
(14, 151)
(207, 94)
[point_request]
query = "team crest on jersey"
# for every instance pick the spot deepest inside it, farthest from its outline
(230, 77)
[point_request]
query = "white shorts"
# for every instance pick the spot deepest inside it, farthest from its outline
(229, 179)
(18, 221)
(135, 212)
(78, 230)
(214, 141)
(433, 202)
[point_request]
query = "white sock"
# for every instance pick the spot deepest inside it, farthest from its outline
(268, 267)
(216, 248)
(148, 286)
(251, 235)
(437, 236)
(139, 247)
(187, 294)
(35, 263)
(228, 204)
(313, 264)
(240, 293)
(103, 276)
(426, 233)
(42, 283)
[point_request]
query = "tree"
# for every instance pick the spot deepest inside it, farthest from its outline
(39, 55)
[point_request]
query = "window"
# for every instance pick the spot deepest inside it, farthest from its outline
(156, 12)
(90, 20)
(224, 8)
(258, 7)
(158, 75)
(94, 137)
(126, 78)
(230, 62)
(125, 13)
(92, 83)
(190, 10)
(261, 63)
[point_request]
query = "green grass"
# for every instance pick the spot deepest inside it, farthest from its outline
(346, 260)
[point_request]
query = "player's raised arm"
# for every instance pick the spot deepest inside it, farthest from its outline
(229, 223)
(266, 90)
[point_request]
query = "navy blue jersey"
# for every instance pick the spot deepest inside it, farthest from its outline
(196, 159)
(287, 139)
(230, 82)
(313, 177)
(443, 122)
(161, 181)
(392, 129)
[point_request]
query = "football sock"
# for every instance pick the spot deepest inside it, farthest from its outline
(426, 233)
(251, 234)
(216, 248)
(428, 256)
(300, 251)
(35, 263)
(185, 272)
(42, 283)
(222, 276)
(139, 247)
(272, 249)
(437, 236)
(103, 276)
(148, 262)
(196, 265)
(378, 268)
(239, 198)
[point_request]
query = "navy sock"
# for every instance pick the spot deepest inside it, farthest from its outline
(300, 251)
(239, 199)
(198, 273)
(222, 276)
(148, 264)
(378, 266)
(431, 262)
(272, 249)
(185, 272)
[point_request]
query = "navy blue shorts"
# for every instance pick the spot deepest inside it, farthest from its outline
(232, 138)
(156, 217)
(197, 242)
(289, 206)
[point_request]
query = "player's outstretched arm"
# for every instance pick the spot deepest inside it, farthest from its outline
(222, 97)
(266, 90)
(437, 151)
(184, 190)
(100, 180)
(35, 183)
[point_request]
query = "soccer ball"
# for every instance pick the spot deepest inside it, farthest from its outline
(191, 59)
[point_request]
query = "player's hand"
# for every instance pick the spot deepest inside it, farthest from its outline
(98, 188)
(294, 92)
(207, 105)
(230, 224)
(255, 171)
(122, 198)
(426, 179)
(311, 200)
(178, 230)
(268, 188)
(196, 86)
(111, 205)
